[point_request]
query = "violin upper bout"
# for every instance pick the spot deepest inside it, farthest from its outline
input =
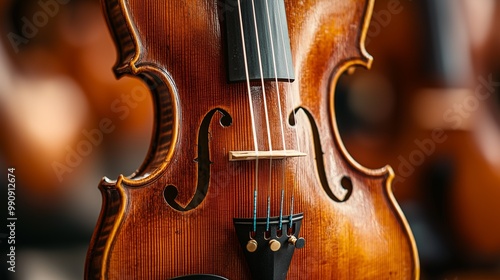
(131, 55)
(124, 35)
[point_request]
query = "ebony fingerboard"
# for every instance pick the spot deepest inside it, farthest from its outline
(264, 30)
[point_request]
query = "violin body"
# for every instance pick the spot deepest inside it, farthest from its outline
(194, 208)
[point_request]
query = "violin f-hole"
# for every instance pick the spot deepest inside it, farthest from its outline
(203, 160)
(346, 182)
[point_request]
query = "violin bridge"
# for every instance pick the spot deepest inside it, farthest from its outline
(253, 155)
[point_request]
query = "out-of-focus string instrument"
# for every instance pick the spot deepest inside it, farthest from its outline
(246, 177)
(470, 117)
(456, 95)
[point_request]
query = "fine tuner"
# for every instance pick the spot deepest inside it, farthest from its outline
(275, 245)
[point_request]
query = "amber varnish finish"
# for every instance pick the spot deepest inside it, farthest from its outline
(177, 47)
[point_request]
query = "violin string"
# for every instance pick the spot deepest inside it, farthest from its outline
(252, 117)
(294, 113)
(265, 113)
(278, 95)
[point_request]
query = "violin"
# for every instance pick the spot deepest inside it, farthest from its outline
(246, 176)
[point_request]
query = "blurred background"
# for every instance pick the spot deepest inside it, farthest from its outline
(429, 107)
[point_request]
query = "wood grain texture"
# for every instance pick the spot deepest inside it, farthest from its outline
(177, 48)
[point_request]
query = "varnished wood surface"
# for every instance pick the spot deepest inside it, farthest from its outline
(177, 48)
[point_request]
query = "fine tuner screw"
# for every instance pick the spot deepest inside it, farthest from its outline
(274, 244)
(299, 243)
(252, 245)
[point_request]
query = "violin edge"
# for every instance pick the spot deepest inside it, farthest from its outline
(160, 84)
(366, 60)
